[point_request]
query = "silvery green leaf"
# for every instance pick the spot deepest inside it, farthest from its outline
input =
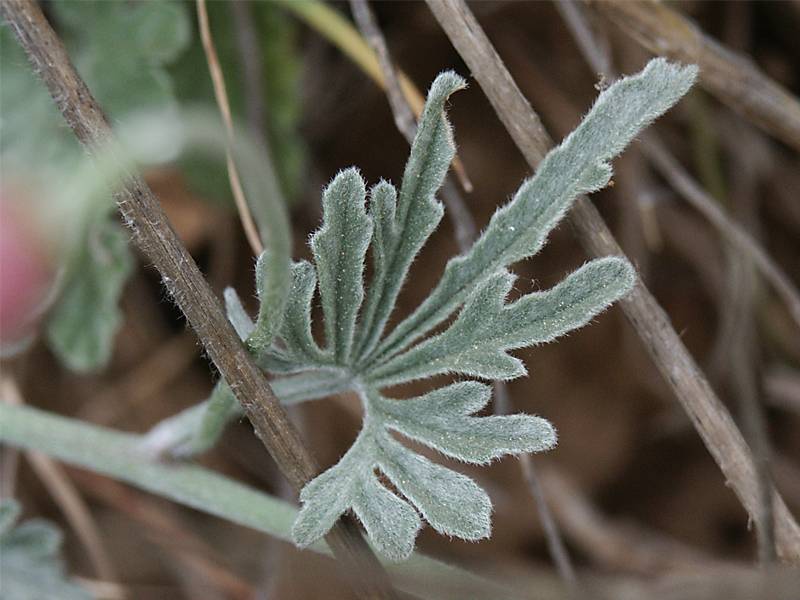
(86, 317)
(382, 211)
(339, 248)
(440, 420)
(476, 343)
(391, 523)
(296, 332)
(311, 385)
(237, 315)
(30, 568)
(452, 503)
(579, 165)
(330, 494)
(417, 214)
(273, 279)
(299, 351)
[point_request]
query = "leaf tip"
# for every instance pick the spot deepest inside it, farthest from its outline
(445, 84)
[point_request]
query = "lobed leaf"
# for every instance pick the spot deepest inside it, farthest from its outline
(391, 523)
(452, 503)
(431, 420)
(578, 166)
(299, 351)
(330, 494)
(273, 279)
(406, 227)
(339, 248)
(476, 343)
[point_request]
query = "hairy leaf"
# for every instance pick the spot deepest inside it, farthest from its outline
(406, 228)
(452, 503)
(339, 247)
(386, 484)
(440, 419)
(487, 327)
(272, 282)
(296, 333)
(391, 523)
(577, 166)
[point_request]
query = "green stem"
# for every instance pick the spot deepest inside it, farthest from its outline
(119, 456)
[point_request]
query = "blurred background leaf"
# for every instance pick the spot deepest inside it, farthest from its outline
(30, 560)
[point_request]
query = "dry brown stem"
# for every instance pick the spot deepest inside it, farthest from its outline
(732, 78)
(406, 123)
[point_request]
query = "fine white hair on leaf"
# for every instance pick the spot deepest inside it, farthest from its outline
(390, 487)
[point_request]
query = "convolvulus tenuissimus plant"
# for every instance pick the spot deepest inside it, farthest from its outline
(358, 354)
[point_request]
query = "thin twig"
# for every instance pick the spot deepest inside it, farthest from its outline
(732, 78)
(583, 35)
(620, 546)
(406, 123)
(157, 240)
(463, 224)
(166, 530)
(552, 533)
(340, 32)
(750, 253)
(680, 179)
(67, 497)
(744, 370)
(401, 109)
(221, 95)
(677, 176)
(709, 416)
